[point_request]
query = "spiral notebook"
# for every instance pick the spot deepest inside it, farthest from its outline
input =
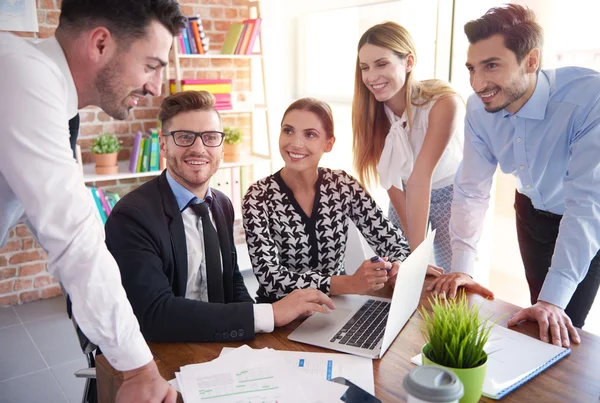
(513, 359)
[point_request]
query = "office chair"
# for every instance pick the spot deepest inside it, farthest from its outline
(90, 393)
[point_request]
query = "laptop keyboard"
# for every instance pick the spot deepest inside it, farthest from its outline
(365, 329)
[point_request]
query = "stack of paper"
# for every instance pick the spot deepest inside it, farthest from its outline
(244, 375)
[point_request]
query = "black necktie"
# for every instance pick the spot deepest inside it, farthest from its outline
(212, 251)
(74, 132)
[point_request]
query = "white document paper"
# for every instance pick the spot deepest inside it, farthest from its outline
(358, 370)
(513, 359)
(251, 376)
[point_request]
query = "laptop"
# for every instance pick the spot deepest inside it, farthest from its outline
(365, 325)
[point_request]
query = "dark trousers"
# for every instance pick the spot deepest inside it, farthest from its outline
(537, 232)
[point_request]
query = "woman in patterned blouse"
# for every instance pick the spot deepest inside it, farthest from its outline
(296, 220)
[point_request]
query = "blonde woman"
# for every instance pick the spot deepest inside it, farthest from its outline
(407, 134)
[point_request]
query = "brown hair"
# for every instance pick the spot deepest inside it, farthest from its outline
(127, 19)
(515, 23)
(185, 101)
(370, 125)
(318, 107)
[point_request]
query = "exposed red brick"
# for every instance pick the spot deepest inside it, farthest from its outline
(3, 261)
(11, 246)
(228, 74)
(221, 25)
(124, 154)
(31, 269)
(106, 183)
(7, 300)
(217, 39)
(221, 63)
(24, 257)
(87, 130)
(85, 144)
(7, 273)
(243, 63)
(217, 12)
(240, 2)
(42, 281)
(22, 231)
(242, 75)
(151, 113)
(50, 292)
(41, 16)
(200, 63)
(29, 296)
(146, 101)
(231, 13)
(218, 2)
(187, 10)
(23, 284)
(28, 243)
(46, 31)
(103, 117)
(149, 125)
(87, 157)
(136, 127)
(126, 141)
(243, 120)
(86, 116)
(47, 4)
(52, 17)
(116, 127)
(157, 101)
(6, 287)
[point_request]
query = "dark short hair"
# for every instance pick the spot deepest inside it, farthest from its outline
(185, 101)
(515, 23)
(318, 107)
(126, 19)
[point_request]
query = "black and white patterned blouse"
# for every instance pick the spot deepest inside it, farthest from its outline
(290, 250)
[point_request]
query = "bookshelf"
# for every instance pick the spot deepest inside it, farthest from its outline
(255, 110)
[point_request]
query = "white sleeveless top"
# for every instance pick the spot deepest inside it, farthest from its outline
(402, 148)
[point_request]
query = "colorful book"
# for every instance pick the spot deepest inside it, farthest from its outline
(212, 88)
(246, 38)
(186, 41)
(232, 39)
(99, 207)
(190, 35)
(154, 152)
(253, 36)
(103, 201)
(140, 155)
(239, 44)
(222, 98)
(135, 150)
(181, 44)
(146, 155)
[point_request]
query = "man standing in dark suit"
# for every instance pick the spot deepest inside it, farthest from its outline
(173, 241)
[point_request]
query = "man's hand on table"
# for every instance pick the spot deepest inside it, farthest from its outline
(446, 285)
(551, 319)
(145, 385)
(300, 303)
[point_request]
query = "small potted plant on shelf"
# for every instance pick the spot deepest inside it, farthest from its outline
(455, 337)
(232, 144)
(105, 148)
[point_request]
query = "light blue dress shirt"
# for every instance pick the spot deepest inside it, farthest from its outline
(183, 196)
(552, 146)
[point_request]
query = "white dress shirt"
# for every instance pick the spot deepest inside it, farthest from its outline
(403, 145)
(41, 183)
(196, 287)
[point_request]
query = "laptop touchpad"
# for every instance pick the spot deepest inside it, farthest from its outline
(331, 321)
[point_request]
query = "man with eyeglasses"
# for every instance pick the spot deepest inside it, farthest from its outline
(173, 241)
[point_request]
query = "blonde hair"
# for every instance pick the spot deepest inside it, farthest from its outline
(370, 125)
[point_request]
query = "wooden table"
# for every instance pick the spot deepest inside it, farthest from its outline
(576, 378)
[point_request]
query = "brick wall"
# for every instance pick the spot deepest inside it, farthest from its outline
(23, 265)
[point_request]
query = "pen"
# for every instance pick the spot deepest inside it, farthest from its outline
(378, 259)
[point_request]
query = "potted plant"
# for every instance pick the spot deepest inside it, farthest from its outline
(455, 337)
(105, 148)
(232, 144)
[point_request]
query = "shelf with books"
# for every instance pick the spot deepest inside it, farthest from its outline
(218, 56)
(89, 175)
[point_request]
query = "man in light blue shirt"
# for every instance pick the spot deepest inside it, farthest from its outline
(542, 126)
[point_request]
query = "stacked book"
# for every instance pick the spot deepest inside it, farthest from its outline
(105, 201)
(192, 39)
(221, 89)
(241, 38)
(145, 153)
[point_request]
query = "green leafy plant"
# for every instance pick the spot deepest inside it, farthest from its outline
(106, 143)
(233, 135)
(454, 333)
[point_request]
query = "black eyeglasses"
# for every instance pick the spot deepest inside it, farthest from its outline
(186, 138)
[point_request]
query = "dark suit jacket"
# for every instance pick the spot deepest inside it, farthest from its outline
(145, 234)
